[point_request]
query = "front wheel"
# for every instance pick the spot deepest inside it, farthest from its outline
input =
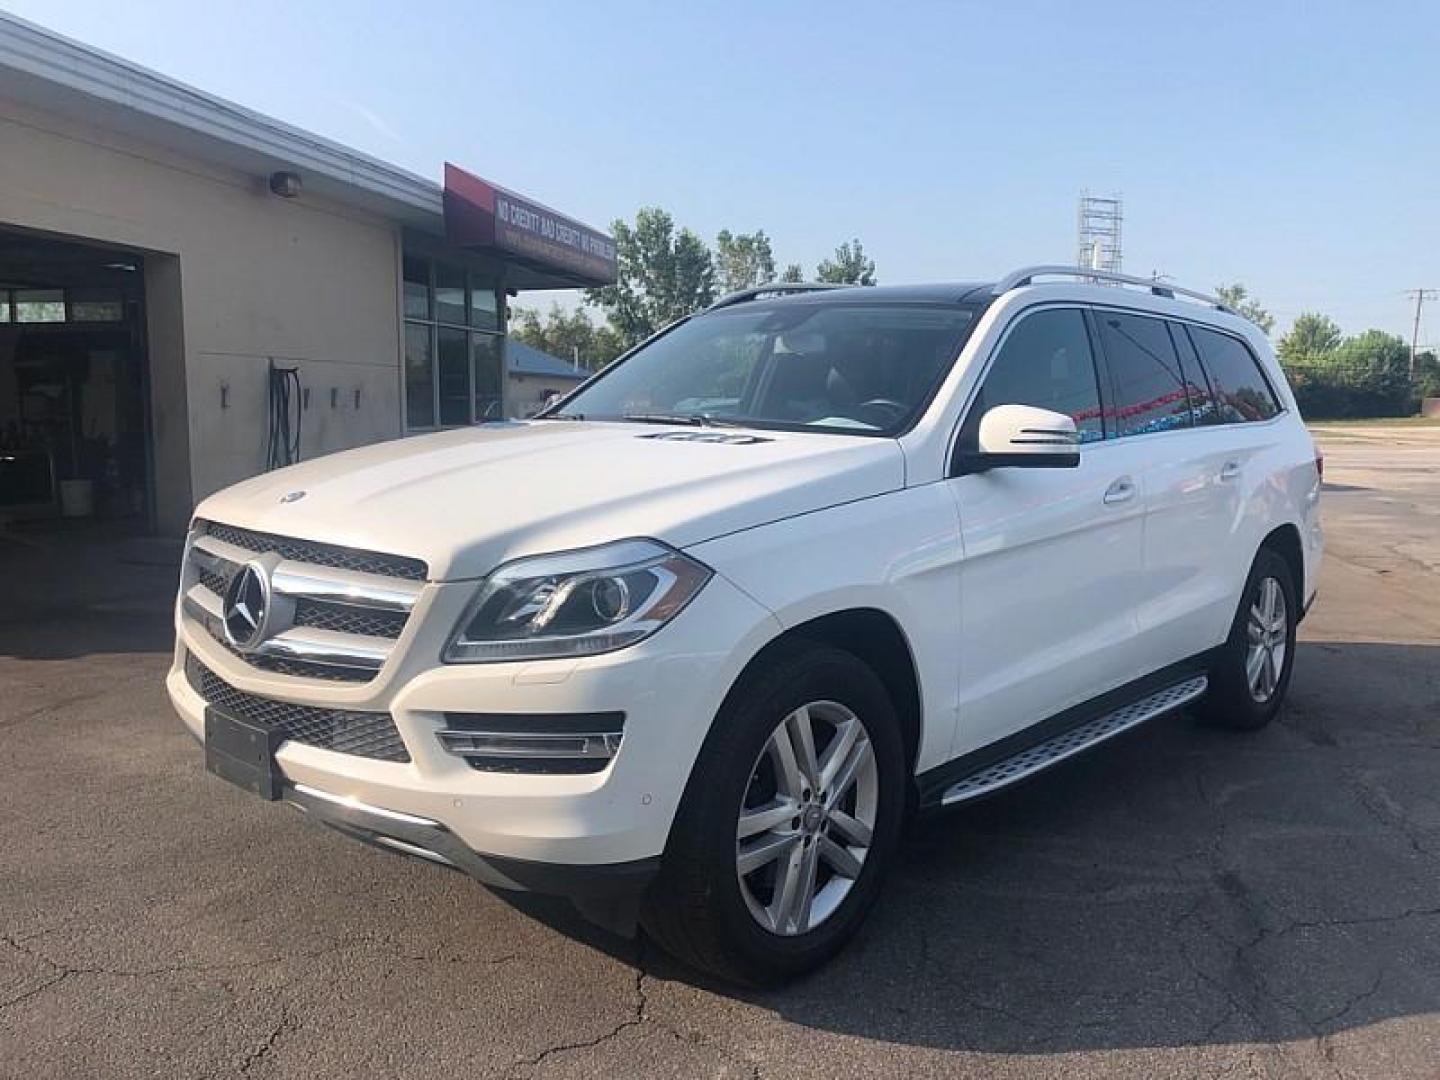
(1251, 674)
(792, 811)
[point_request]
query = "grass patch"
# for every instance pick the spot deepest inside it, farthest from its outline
(1383, 421)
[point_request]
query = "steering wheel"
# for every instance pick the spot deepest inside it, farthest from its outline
(892, 410)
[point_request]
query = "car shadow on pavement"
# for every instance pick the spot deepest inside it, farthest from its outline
(1180, 886)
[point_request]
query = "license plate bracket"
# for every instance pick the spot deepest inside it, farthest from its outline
(243, 752)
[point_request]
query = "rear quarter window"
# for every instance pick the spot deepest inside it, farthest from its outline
(1241, 391)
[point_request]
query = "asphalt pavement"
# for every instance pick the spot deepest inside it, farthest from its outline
(1181, 902)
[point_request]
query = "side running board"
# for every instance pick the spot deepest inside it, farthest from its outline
(1031, 760)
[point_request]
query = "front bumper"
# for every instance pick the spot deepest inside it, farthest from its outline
(593, 834)
(609, 894)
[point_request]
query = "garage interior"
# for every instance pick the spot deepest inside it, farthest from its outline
(74, 424)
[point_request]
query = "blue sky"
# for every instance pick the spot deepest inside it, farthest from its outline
(1291, 146)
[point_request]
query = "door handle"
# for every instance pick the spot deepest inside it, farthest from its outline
(1230, 470)
(1121, 490)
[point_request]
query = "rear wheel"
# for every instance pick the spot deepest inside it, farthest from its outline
(1251, 675)
(790, 816)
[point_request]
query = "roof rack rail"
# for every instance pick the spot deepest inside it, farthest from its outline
(1026, 274)
(778, 288)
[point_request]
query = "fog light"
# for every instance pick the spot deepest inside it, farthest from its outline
(538, 743)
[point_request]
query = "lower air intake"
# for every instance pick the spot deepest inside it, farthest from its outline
(345, 731)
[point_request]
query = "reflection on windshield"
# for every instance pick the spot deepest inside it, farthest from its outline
(856, 368)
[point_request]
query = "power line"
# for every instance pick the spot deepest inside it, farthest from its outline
(1420, 295)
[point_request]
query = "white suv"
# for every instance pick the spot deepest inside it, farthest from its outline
(692, 645)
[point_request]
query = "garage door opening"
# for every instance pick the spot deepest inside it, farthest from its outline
(74, 416)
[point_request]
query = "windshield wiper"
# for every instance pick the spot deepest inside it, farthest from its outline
(689, 419)
(560, 416)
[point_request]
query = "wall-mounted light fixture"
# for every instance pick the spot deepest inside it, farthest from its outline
(285, 184)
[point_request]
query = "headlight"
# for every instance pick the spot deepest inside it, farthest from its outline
(576, 603)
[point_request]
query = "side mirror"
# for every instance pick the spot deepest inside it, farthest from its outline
(1024, 437)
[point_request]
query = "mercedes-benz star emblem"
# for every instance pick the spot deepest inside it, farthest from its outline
(247, 602)
(292, 496)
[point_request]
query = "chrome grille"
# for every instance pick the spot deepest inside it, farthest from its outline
(364, 734)
(216, 582)
(323, 621)
(348, 619)
(315, 553)
(304, 669)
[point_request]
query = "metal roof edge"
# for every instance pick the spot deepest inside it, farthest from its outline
(56, 59)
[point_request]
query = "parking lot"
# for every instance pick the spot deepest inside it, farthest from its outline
(1181, 902)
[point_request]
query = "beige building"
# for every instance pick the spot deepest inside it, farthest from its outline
(191, 292)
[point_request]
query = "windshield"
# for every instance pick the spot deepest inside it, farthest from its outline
(854, 368)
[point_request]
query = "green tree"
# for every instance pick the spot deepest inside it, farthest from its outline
(663, 274)
(1376, 351)
(1238, 299)
(570, 335)
(793, 273)
(743, 260)
(1427, 375)
(848, 267)
(1365, 375)
(1311, 335)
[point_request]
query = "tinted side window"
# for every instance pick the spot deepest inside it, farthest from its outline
(1241, 392)
(1045, 361)
(1145, 371)
(1202, 399)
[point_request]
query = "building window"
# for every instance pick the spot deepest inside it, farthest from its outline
(419, 377)
(61, 305)
(417, 288)
(486, 368)
(449, 294)
(485, 309)
(453, 374)
(454, 346)
(96, 305)
(39, 305)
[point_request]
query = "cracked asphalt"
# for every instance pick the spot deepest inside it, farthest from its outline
(1182, 902)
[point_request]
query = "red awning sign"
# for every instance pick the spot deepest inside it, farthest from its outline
(481, 215)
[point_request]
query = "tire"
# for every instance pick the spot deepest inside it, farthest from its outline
(739, 926)
(1240, 699)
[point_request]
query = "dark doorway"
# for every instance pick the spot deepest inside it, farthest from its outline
(74, 421)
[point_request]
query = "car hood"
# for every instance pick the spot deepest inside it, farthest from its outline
(467, 500)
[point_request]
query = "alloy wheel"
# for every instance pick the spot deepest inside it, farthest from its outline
(807, 819)
(1267, 632)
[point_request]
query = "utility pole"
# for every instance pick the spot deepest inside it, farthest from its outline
(1420, 295)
